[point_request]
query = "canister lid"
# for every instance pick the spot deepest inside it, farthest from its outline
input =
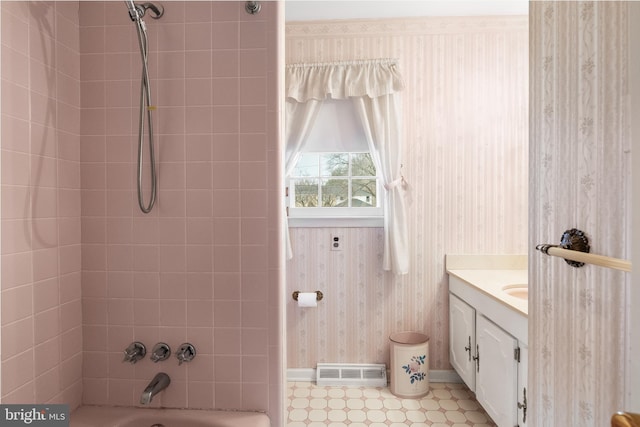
(408, 338)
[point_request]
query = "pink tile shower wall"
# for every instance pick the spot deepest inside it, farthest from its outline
(203, 266)
(465, 158)
(40, 292)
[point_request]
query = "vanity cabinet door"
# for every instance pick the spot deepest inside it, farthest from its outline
(497, 372)
(462, 340)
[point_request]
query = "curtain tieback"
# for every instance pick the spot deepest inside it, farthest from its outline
(393, 184)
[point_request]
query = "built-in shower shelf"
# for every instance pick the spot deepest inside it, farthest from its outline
(337, 374)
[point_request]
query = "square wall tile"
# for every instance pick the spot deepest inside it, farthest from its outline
(17, 337)
(17, 372)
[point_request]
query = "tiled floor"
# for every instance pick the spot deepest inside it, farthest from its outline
(446, 405)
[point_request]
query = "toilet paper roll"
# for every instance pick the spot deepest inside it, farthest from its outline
(307, 299)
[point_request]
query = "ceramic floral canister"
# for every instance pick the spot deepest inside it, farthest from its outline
(409, 364)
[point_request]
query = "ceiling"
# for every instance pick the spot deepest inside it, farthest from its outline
(313, 10)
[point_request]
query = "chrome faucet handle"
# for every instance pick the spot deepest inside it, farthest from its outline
(186, 353)
(161, 351)
(134, 352)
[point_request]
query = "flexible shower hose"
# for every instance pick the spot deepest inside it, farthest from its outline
(146, 108)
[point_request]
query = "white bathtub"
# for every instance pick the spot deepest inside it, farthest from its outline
(104, 416)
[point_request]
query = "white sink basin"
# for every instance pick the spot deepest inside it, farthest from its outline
(520, 291)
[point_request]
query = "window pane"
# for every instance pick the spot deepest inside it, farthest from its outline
(306, 191)
(335, 164)
(346, 182)
(335, 192)
(307, 165)
(364, 193)
(362, 165)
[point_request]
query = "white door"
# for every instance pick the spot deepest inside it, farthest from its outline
(497, 372)
(462, 341)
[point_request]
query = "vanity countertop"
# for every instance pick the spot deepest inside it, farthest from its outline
(490, 273)
(491, 282)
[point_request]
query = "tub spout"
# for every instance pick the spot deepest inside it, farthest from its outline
(157, 384)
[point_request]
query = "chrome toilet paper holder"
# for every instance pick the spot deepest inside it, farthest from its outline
(319, 295)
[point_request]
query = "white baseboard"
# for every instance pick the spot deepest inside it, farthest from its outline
(443, 376)
(435, 376)
(301, 374)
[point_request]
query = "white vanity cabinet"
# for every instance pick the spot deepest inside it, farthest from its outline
(488, 350)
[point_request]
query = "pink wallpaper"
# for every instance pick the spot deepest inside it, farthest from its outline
(41, 316)
(84, 272)
(466, 137)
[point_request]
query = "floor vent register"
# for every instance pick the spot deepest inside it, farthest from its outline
(338, 374)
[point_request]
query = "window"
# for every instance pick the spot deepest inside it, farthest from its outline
(370, 88)
(334, 182)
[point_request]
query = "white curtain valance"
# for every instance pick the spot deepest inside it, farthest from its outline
(372, 87)
(341, 80)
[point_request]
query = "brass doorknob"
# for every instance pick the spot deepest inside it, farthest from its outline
(625, 419)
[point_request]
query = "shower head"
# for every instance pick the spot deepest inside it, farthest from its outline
(137, 11)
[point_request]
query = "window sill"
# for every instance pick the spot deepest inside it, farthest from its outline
(329, 222)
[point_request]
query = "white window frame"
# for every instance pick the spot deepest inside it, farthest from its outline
(335, 216)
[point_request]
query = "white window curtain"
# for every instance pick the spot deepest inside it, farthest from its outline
(373, 86)
(300, 117)
(381, 121)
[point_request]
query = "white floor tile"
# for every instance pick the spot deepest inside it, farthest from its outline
(446, 405)
(318, 403)
(376, 416)
(416, 416)
(337, 415)
(355, 403)
(436, 417)
(396, 416)
(317, 415)
(357, 416)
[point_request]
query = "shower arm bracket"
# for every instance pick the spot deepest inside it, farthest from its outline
(252, 7)
(156, 8)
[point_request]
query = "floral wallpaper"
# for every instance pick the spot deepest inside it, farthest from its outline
(465, 111)
(580, 166)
